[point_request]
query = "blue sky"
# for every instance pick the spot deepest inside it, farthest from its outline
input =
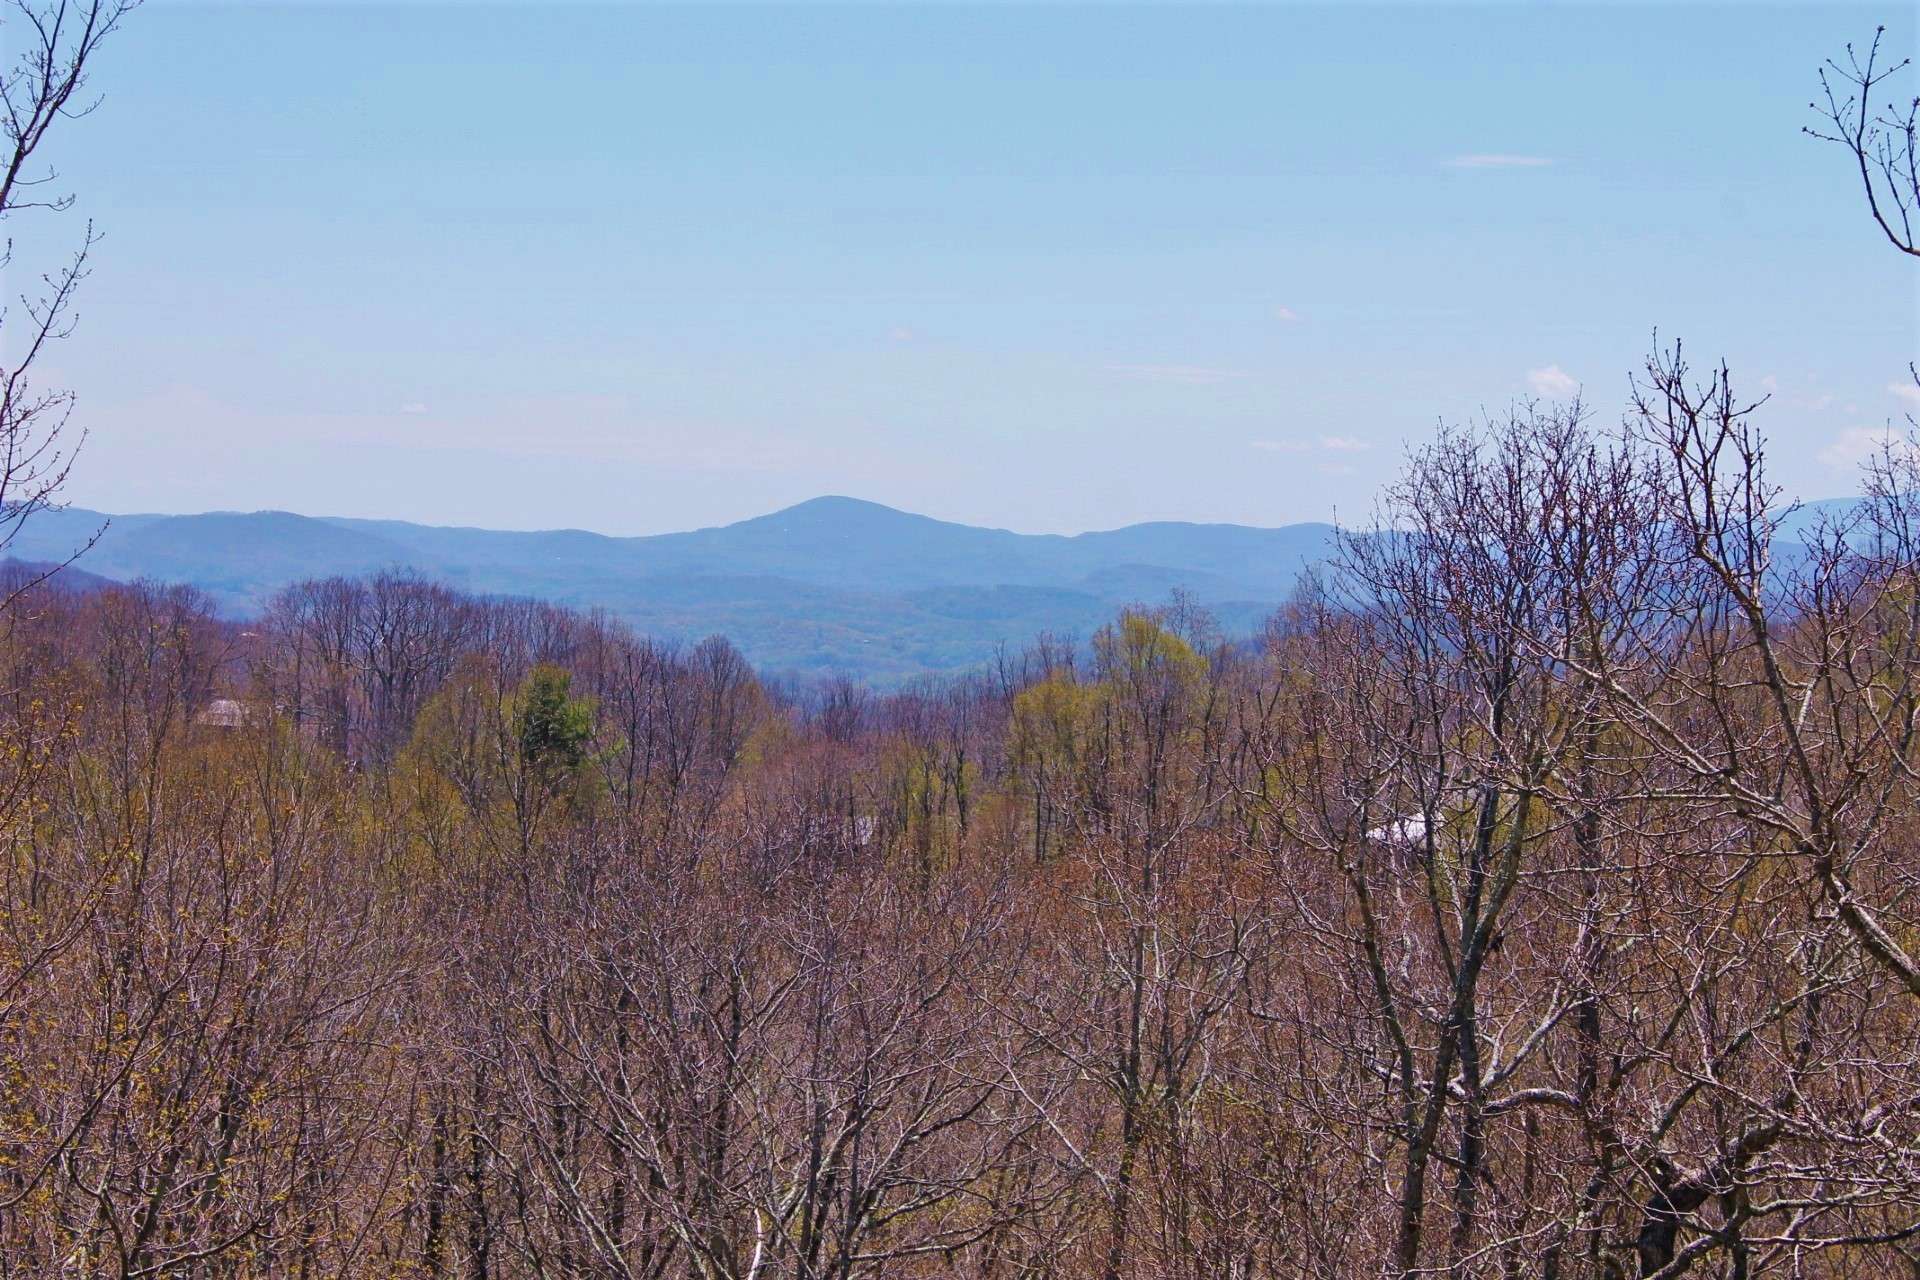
(1051, 267)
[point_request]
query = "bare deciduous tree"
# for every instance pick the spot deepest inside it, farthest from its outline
(1879, 132)
(54, 44)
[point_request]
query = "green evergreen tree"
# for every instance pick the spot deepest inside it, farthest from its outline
(553, 726)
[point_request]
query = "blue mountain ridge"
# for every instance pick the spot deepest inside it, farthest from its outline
(832, 584)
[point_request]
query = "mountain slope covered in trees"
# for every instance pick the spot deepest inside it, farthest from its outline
(834, 584)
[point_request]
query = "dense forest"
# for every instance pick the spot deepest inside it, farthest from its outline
(1537, 898)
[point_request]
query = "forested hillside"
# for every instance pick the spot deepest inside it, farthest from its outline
(1555, 916)
(832, 586)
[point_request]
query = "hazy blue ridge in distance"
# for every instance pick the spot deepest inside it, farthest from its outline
(831, 584)
(834, 584)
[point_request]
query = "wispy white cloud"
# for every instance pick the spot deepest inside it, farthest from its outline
(1857, 444)
(1553, 382)
(1498, 160)
(1286, 315)
(413, 409)
(1324, 444)
(900, 333)
(1191, 375)
(1908, 391)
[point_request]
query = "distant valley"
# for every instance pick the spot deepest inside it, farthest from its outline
(833, 584)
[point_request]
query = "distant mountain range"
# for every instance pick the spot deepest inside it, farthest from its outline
(834, 584)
